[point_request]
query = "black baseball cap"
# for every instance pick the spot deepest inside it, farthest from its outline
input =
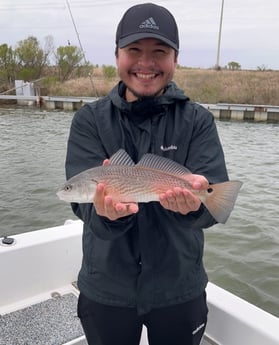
(147, 21)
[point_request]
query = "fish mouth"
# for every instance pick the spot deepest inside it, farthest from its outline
(59, 193)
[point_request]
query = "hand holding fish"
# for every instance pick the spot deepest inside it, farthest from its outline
(105, 206)
(183, 200)
(116, 187)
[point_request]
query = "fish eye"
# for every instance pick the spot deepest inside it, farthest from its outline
(210, 190)
(68, 188)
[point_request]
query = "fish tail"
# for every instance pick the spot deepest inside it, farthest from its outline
(221, 198)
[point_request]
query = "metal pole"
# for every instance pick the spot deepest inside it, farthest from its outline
(217, 66)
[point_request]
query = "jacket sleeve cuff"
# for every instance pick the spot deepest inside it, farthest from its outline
(202, 218)
(107, 229)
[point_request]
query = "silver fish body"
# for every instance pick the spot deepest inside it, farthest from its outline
(144, 182)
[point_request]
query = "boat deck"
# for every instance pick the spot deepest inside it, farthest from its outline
(53, 322)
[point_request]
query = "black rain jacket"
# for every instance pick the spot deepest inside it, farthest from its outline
(153, 258)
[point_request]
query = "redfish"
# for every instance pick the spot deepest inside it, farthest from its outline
(128, 182)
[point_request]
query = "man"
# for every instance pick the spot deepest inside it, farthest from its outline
(142, 263)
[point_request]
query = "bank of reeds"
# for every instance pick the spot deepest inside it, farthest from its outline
(204, 86)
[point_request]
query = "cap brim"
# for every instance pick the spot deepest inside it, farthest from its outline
(125, 41)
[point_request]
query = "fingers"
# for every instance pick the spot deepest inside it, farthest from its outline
(180, 200)
(106, 162)
(114, 211)
(105, 206)
(183, 200)
(198, 182)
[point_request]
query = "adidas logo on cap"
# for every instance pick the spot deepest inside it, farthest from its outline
(149, 24)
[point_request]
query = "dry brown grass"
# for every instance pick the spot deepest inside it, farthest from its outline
(204, 86)
(242, 87)
(84, 86)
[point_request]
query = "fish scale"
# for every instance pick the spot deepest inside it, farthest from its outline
(126, 184)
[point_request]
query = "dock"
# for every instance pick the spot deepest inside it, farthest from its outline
(244, 112)
(50, 102)
(221, 111)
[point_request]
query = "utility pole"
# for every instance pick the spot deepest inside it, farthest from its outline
(217, 66)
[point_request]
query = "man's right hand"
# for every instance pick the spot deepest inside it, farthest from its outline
(105, 206)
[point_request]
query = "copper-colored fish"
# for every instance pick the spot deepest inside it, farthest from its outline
(143, 182)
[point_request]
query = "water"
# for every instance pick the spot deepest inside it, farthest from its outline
(241, 256)
(33, 145)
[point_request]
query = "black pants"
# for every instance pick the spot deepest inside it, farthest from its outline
(181, 324)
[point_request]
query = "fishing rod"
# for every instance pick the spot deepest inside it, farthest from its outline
(217, 66)
(81, 48)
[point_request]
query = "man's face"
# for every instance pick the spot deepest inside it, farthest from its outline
(145, 66)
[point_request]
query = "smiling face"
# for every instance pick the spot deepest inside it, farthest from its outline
(145, 66)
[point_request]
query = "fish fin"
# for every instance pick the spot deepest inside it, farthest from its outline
(167, 165)
(221, 198)
(121, 157)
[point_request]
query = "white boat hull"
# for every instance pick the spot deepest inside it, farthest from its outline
(44, 263)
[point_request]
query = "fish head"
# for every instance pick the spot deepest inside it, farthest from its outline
(77, 192)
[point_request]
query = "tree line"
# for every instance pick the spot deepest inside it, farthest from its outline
(30, 61)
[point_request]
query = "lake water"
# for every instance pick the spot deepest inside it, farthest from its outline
(241, 256)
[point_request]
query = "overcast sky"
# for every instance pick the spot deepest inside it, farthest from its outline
(249, 35)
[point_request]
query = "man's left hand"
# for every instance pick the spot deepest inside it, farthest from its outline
(182, 200)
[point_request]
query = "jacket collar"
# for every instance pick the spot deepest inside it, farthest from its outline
(146, 106)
